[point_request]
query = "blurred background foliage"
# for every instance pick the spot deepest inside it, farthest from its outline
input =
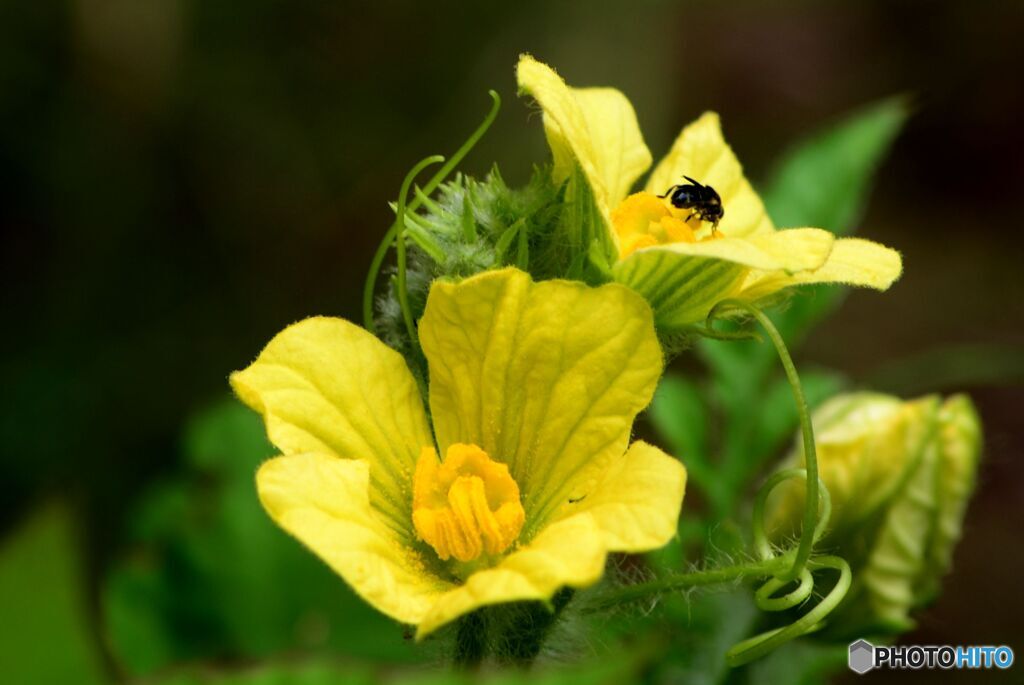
(181, 179)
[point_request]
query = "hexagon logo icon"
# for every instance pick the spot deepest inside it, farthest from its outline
(862, 656)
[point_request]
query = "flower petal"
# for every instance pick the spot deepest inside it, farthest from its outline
(323, 501)
(701, 153)
(325, 385)
(683, 281)
(637, 501)
(594, 127)
(568, 553)
(853, 261)
(546, 377)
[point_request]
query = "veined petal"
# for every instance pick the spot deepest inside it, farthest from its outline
(323, 501)
(567, 553)
(325, 385)
(545, 377)
(637, 501)
(853, 261)
(701, 153)
(683, 281)
(593, 127)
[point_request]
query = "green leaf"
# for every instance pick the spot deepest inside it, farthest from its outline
(705, 627)
(801, 662)
(678, 413)
(824, 180)
(777, 420)
(45, 637)
(275, 674)
(612, 671)
(210, 576)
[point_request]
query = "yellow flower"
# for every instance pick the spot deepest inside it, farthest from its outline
(533, 391)
(683, 267)
(900, 475)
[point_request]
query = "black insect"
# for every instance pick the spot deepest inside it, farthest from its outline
(702, 199)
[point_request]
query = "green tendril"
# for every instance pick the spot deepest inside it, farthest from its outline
(807, 533)
(798, 565)
(767, 601)
(403, 294)
(761, 546)
(759, 645)
(390, 236)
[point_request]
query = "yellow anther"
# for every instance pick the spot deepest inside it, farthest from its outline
(645, 220)
(467, 505)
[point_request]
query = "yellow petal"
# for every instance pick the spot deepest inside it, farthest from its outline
(568, 553)
(701, 153)
(323, 501)
(545, 377)
(853, 261)
(326, 385)
(683, 281)
(593, 127)
(637, 501)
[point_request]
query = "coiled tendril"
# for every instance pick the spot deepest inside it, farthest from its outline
(814, 522)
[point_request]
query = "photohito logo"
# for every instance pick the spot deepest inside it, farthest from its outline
(865, 656)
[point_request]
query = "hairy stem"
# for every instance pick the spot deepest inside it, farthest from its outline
(684, 581)
(470, 641)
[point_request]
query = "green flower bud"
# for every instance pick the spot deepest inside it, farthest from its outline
(900, 475)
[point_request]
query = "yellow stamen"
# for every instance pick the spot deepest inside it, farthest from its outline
(466, 506)
(645, 220)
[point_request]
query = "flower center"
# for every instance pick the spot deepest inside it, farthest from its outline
(467, 505)
(643, 220)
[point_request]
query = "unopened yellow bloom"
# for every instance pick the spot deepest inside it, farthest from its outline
(594, 136)
(900, 475)
(533, 391)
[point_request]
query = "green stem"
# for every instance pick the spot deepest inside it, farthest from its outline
(403, 294)
(528, 635)
(807, 534)
(470, 641)
(685, 581)
(435, 180)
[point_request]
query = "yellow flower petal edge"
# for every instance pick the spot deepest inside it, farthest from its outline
(634, 501)
(326, 385)
(323, 501)
(568, 553)
(683, 281)
(853, 261)
(546, 377)
(595, 128)
(701, 152)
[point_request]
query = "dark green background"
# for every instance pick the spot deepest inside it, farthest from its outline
(181, 179)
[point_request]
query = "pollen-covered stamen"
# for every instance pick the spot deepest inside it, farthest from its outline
(467, 505)
(645, 220)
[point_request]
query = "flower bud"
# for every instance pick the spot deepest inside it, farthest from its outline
(900, 474)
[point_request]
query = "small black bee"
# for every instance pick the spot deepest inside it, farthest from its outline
(702, 199)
